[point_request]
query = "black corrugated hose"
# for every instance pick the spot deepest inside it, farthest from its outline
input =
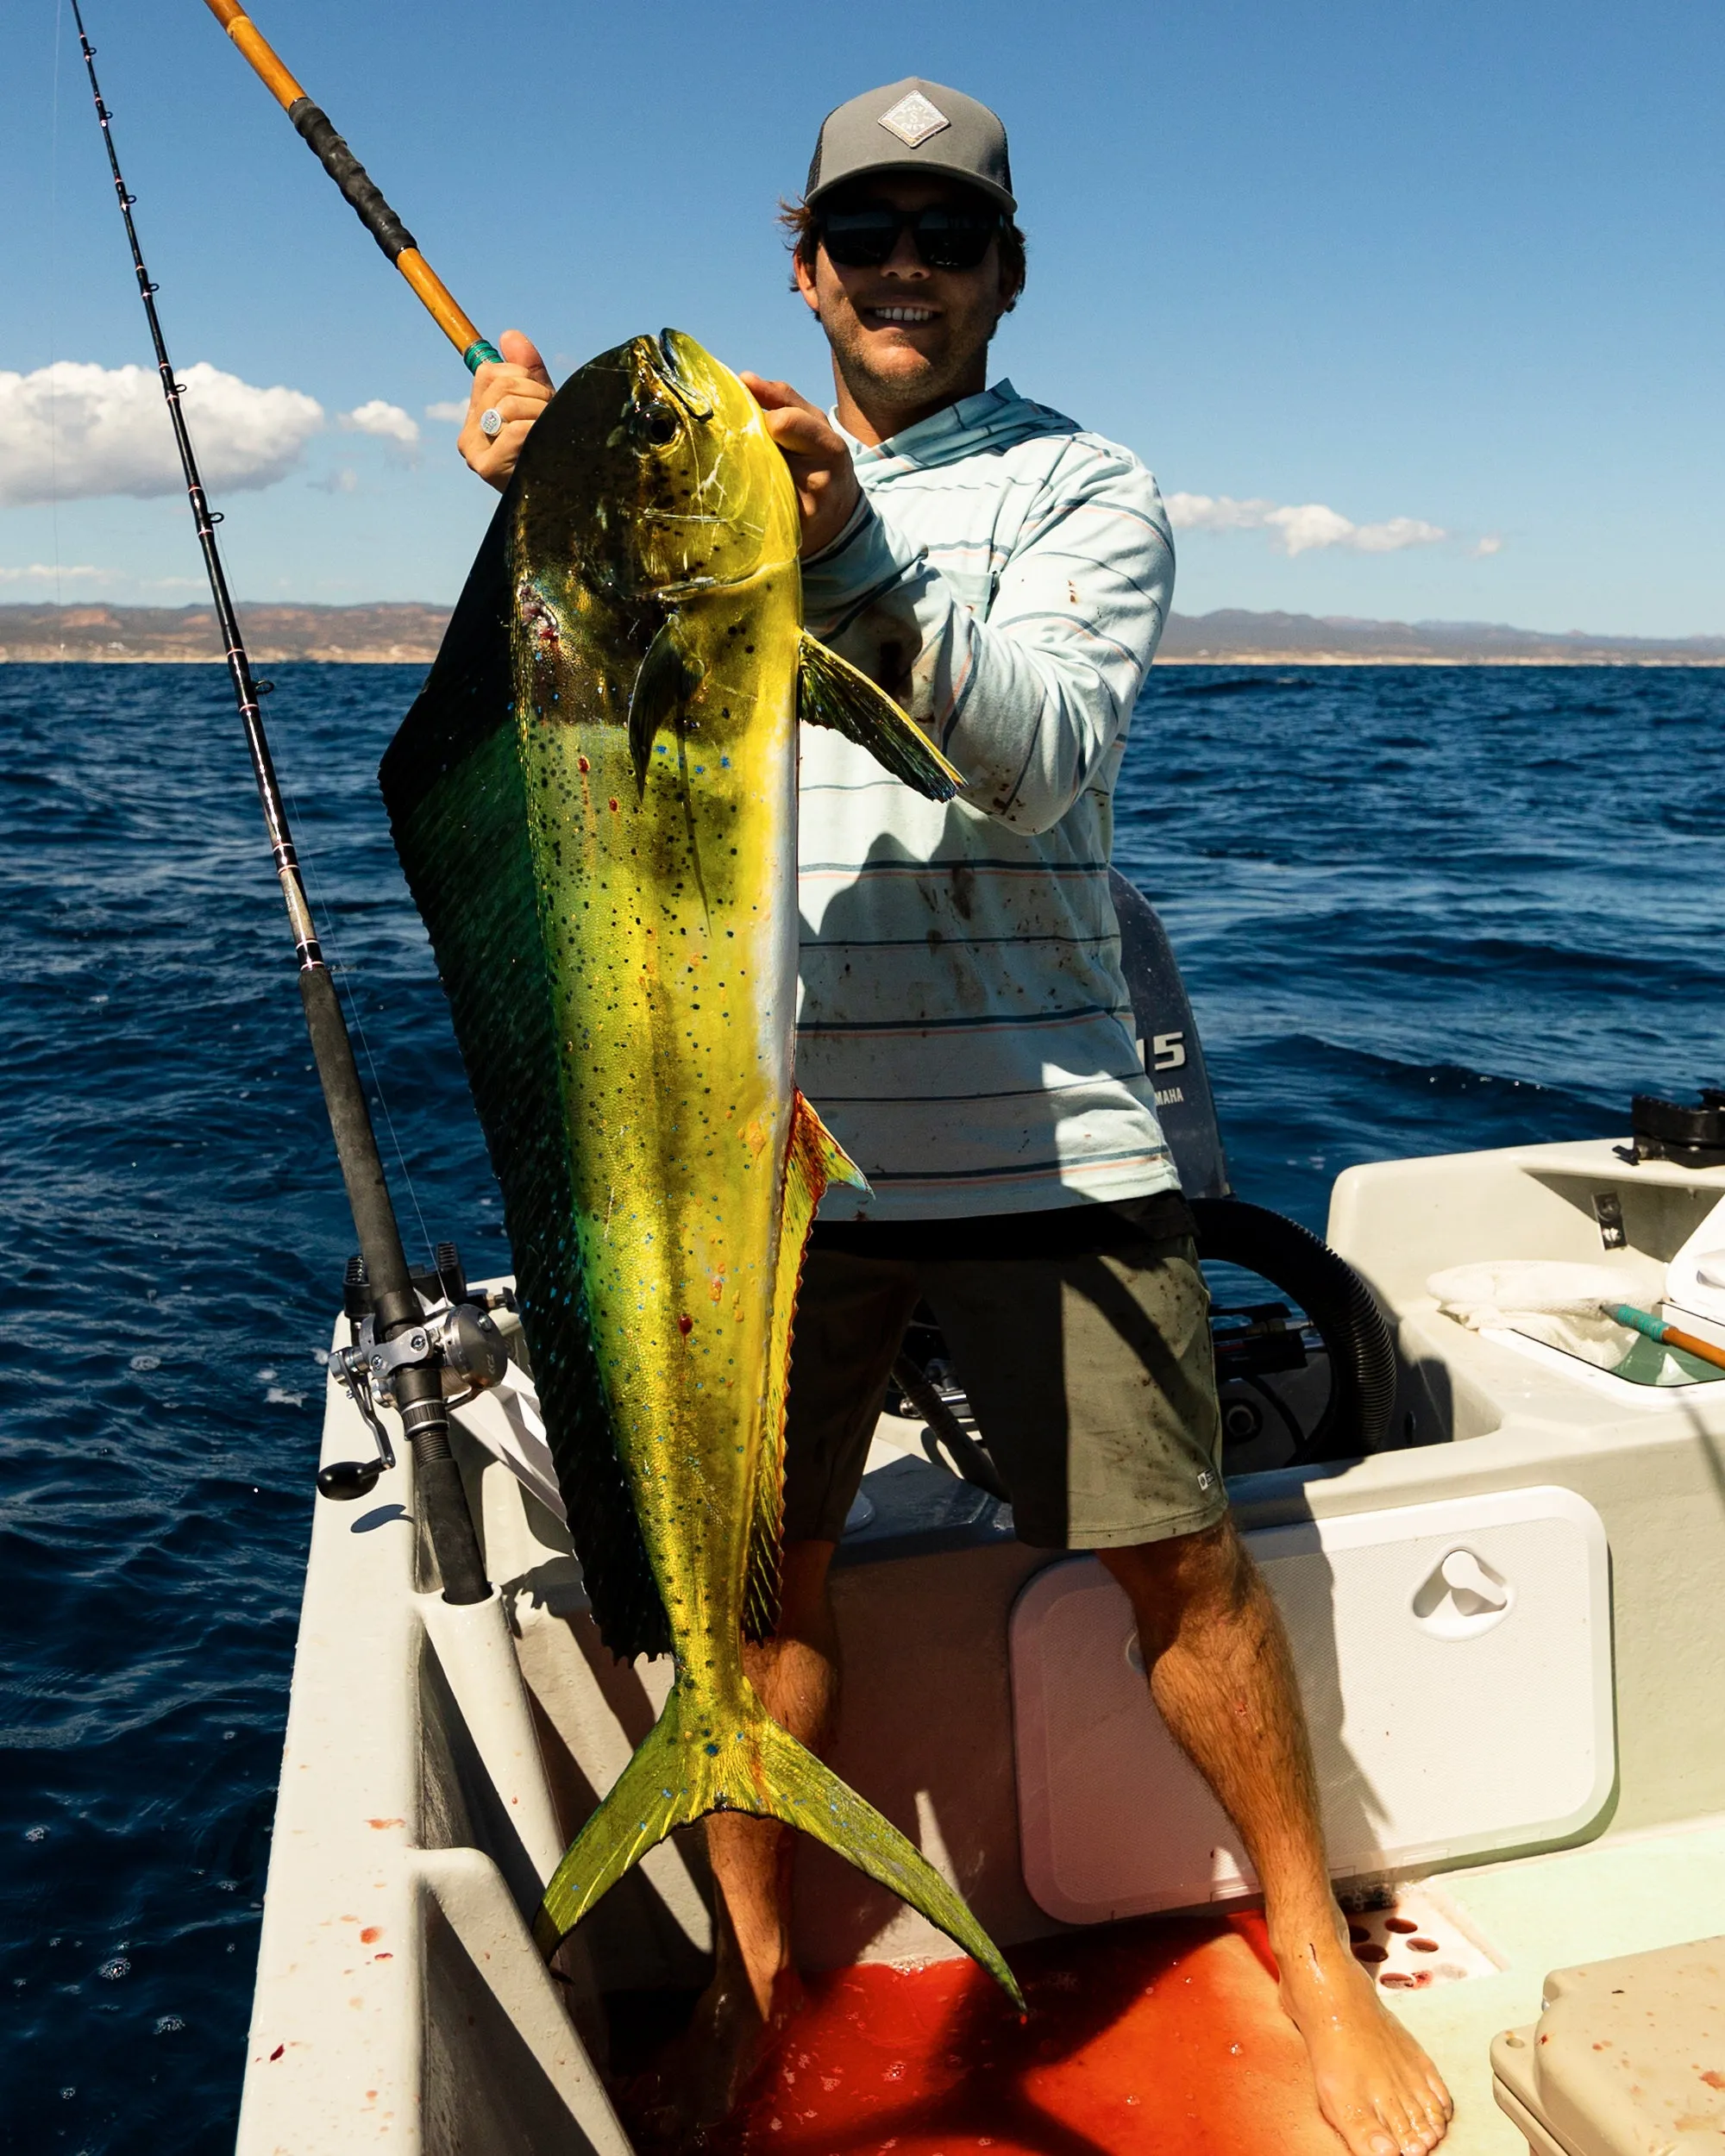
(1356, 1418)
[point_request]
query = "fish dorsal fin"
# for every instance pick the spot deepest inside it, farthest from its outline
(830, 691)
(814, 1159)
(670, 673)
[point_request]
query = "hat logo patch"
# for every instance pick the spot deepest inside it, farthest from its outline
(913, 119)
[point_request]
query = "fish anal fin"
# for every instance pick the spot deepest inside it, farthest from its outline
(813, 1160)
(669, 674)
(832, 693)
(707, 1756)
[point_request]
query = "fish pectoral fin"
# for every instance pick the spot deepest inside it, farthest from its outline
(670, 673)
(832, 693)
(696, 1760)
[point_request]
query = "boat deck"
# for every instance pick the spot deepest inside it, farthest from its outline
(1164, 2034)
(1161, 2038)
(438, 1759)
(1618, 1895)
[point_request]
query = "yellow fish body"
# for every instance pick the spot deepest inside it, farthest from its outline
(595, 802)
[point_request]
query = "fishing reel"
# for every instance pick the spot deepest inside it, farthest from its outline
(458, 1335)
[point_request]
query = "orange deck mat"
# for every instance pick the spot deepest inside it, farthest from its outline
(1154, 2036)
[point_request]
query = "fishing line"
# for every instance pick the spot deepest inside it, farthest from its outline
(352, 1007)
(53, 319)
(323, 914)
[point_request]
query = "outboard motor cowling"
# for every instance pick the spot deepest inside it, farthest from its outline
(1172, 1054)
(1341, 1306)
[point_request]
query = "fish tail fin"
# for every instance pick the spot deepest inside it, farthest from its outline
(805, 1793)
(700, 1758)
(813, 1160)
(669, 1782)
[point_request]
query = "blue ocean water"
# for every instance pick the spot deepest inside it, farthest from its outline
(1419, 909)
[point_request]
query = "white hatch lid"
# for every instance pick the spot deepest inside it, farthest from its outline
(1455, 1661)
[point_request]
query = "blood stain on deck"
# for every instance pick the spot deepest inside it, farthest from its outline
(1161, 2036)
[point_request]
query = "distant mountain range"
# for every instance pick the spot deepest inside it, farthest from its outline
(401, 635)
(1230, 636)
(409, 634)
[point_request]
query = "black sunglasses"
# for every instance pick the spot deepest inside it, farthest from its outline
(945, 234)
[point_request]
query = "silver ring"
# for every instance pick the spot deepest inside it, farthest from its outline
(490, 423)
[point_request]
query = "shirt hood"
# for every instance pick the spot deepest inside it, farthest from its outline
(994, 418)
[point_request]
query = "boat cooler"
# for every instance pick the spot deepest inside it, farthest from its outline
(1627, 2059)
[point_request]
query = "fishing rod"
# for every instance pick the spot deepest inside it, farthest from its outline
(401, 1352)
(313, 126)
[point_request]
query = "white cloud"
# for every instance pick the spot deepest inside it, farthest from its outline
(343, 480)
(450, 414)
(42, 579)
(79, 583)
(51, 573)
(389, 423)
(1299, 528)
(76, 430)
(1483, 549)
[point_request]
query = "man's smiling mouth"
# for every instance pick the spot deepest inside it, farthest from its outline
(910, 314)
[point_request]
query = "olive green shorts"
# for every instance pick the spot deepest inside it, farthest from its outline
(1090, 1375)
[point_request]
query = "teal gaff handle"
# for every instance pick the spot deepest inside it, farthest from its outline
(478, 352)
(1641, 1321)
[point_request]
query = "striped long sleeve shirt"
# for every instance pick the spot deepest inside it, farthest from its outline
(963, 1025)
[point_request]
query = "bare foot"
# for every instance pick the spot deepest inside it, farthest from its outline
(1375, 2084)
(703, 2075)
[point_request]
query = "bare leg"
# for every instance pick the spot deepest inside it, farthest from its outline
(755, 1990)
(1221, 1674)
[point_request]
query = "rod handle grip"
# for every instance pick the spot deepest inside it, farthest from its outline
(314, 127)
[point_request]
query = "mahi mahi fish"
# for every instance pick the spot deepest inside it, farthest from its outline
(594, 799)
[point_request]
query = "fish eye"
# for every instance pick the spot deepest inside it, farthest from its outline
(654, 422)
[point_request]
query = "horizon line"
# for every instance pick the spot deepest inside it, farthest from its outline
(1179, 625)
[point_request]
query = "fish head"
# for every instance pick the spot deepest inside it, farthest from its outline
(656, 475)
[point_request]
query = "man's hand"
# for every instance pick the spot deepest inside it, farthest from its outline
(826, 482)
(520, 390)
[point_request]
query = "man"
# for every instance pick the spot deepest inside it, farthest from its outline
(965, 1032)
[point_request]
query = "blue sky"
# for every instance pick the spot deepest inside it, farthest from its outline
(1438, 269)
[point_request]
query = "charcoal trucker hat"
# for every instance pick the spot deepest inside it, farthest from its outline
(913, 126)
